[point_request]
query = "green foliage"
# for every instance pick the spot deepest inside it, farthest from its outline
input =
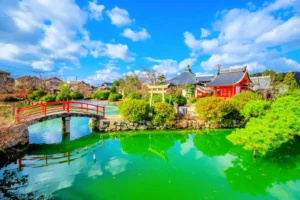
(290, 81)
(288, 78)
(190, 90)
(280, 125)
(64, 93)
(279, 77)
(134, 110)
(156, 98)
(192, 99)
(134, 95)
(114, 97)
(179, 99)
(76, 95)
(215, 110)
(101, 95)
(240, 100)
(113, 89)
(36, 95)
(163, 114)
(49, 98)
(271, 73)
(255, 108)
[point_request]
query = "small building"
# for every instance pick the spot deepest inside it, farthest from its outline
(106, 86)
(261, 83)
(6, 82)
(83, 87)
(52, 84)
(189, 78)
(230, 82)
(27, 84)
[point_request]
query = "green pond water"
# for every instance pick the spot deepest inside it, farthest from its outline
(146, 165)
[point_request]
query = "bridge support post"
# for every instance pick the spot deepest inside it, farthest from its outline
(66, 127)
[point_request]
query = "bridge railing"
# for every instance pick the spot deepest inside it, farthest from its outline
(45, 109)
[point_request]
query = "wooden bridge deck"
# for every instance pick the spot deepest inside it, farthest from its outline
(51, 110)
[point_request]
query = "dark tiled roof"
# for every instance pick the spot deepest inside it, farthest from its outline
(183, 79)
(106, 84)
(205, 78)
(228, 77)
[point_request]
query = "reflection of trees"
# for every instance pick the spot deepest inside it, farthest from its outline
(255, 176)
(213, 144)
(250, 175)
(150, 145)
(11, 183)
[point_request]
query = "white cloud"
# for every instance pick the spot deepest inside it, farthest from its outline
(118, 51)
(96, 10)
(119, 16)
(136, 35)
(170, 67)
(258, 38)
(8, 51)
(45, 65)
(47, 31)
(204, 33)
(188, 61)
(282, 34)
(108, 74)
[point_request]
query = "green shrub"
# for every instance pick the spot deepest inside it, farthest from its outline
(163, 114)
(134, 110)
(255, 108)
(64, 93)
(101, 95)
(215, 110)
(48, 98)
(192, 99)
(134, 95)
(179, 99)
(240, 100)
(113, 89)
(281, 124)
(36, 95)
(114, 97)
(76, 95)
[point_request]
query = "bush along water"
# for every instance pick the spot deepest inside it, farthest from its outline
(278, 125)
(134, 110)
(101, 95)
(163, 114)
(114, 97)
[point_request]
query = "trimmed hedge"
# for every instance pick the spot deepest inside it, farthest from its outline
(49, 98)
(163, 114)
(255, 108)
(215, 110)
(134, 95)
(240, 100)
(101, 95)
(75, 95)
(36, 95)
(134, 110)
(114, 97)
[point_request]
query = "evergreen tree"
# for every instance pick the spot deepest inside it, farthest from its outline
(279, 77)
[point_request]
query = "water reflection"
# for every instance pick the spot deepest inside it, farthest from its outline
(173, 161)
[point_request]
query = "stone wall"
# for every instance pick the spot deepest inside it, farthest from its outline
(19, 135)
(123, 125)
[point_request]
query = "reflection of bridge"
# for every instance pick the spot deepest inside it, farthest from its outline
(61, 109)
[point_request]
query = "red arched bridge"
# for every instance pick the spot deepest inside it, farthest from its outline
(61, 109)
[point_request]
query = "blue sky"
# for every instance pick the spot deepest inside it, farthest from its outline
(101, 40)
